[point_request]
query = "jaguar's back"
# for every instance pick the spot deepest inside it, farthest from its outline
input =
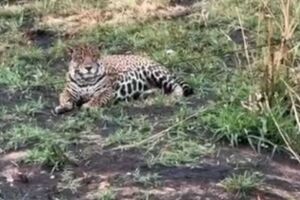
(123, 63)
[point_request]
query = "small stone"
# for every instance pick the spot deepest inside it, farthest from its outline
(170, 51)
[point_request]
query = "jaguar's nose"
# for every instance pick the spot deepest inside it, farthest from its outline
(88, 68)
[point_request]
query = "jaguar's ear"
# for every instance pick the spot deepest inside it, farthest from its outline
(101, 46)
(70, 51)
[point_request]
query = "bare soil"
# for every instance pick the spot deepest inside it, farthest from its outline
(282, 177)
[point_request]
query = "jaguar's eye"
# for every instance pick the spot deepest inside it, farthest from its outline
(79, 59)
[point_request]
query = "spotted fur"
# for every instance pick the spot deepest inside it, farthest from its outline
(95, 81)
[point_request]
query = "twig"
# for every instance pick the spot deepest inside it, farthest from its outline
(244, 40)
(291, 90)
(295, 110)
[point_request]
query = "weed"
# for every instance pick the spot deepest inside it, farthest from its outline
(30, 108)
(145, 179)
(77, 124)
(69, 181)
(244, 183)
(108, 194)
(20, 73)
(232, 123)
(136, 131)
(52, 153)
(182, 151)
(46, 148)
(22, 136)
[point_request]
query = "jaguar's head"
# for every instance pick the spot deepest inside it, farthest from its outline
(84, 62)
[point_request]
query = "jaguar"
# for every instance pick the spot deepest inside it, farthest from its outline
(93, 80)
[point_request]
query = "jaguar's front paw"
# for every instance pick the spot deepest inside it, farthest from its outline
(61, 109)
(87, 106)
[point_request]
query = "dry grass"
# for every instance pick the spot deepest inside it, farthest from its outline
(279, 59)
(73, 16)
(279, 66)
(116, 13)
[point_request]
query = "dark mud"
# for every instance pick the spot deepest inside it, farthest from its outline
(41, 38)
(182, 182)
(238, 59)
(241, 35)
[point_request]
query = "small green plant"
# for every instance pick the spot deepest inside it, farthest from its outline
(53, 150)
(22, 136)
(243, 183)
(148, 179)
(69, 181)
(30, 108)
(108, 194)
(45, 148)
(183, 151)
(52, 154)
(135, 131)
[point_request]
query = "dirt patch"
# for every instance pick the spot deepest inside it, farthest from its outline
(102, 171)
(13, 156)
(203, 173)
(39, 185)
(241, 35)
(41, 38)
(42, 184)
(281, 174)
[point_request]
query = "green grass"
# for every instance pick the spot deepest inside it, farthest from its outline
(26, 67)
(30, 108)
(45, 147)
(137, 130)
(231, 121)
(187, 39)
(198, 53)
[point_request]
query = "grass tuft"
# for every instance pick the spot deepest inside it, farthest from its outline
(243, 184)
